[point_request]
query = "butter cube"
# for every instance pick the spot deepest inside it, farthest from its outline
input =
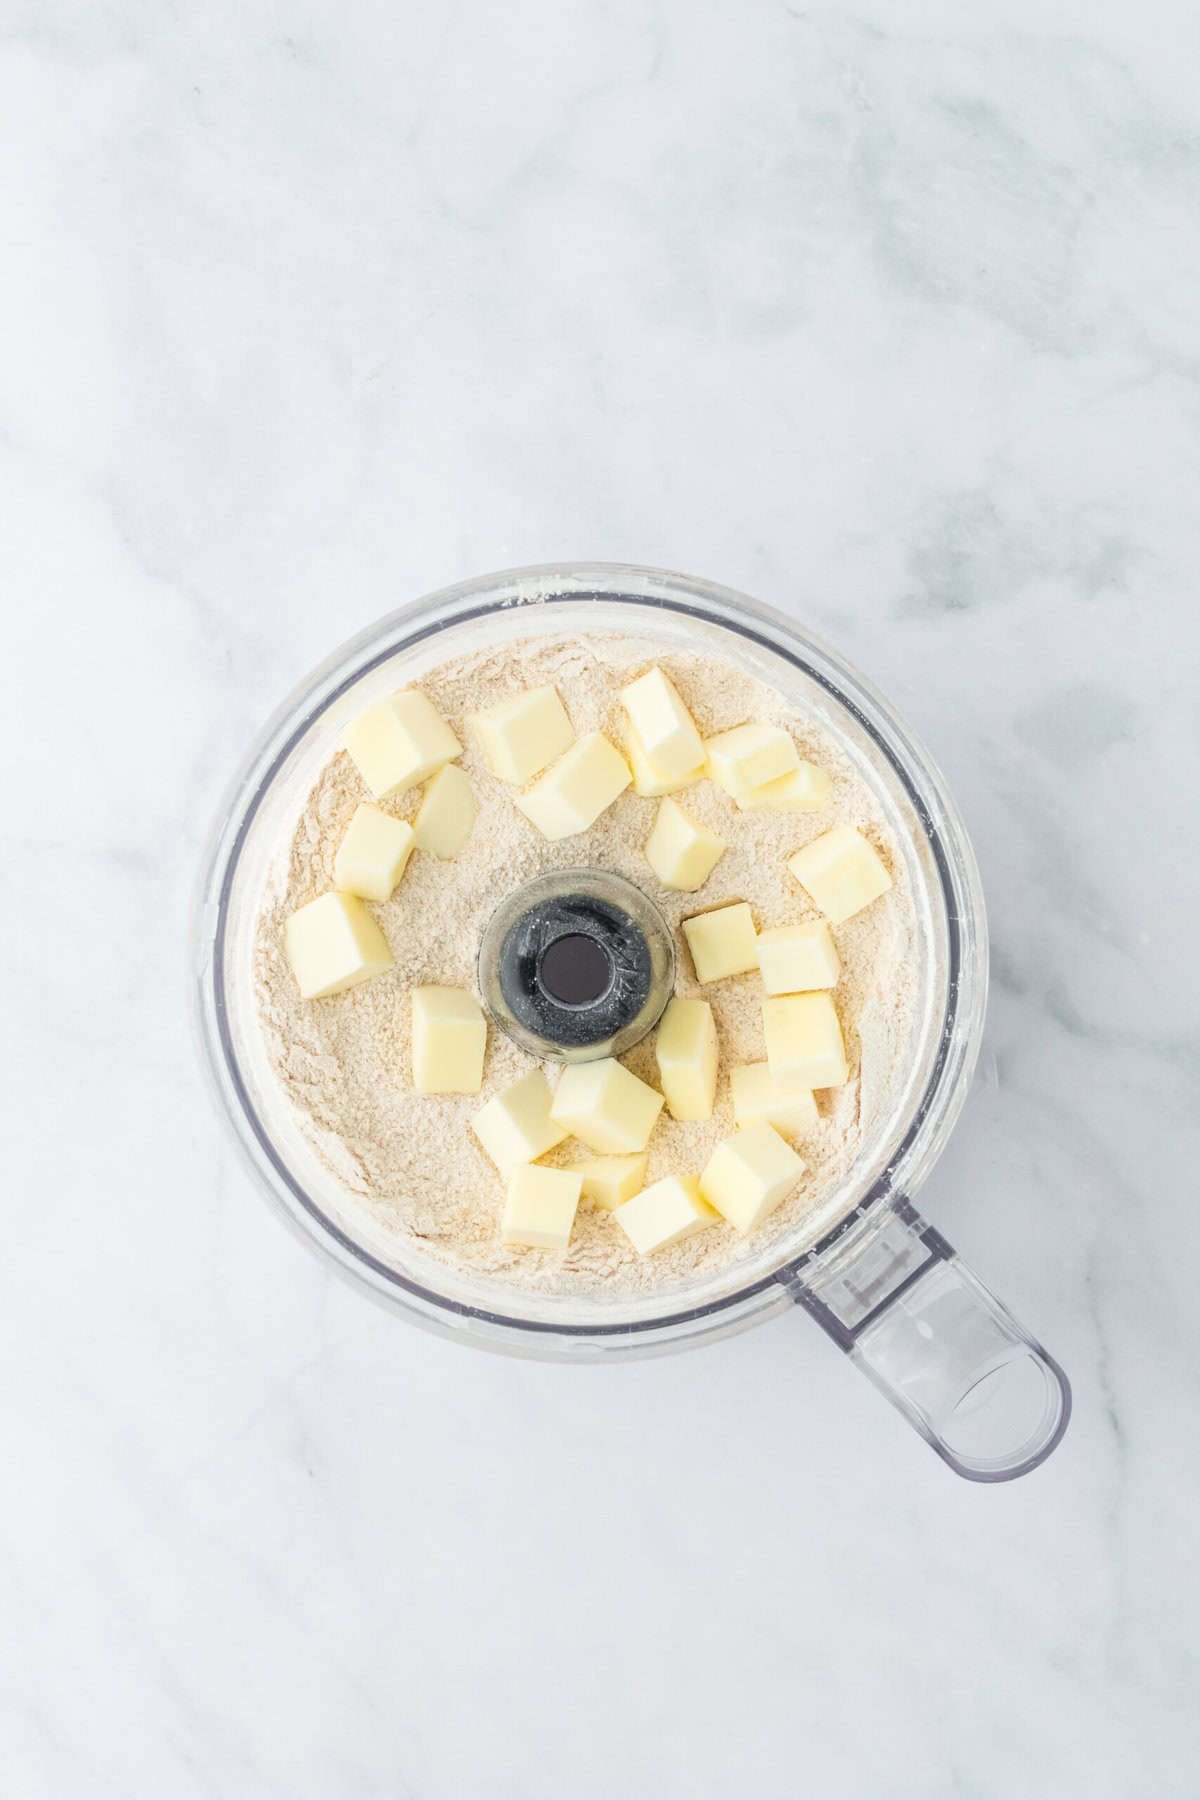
(797, 958)
(758, 1096)
(664, 1214)
(650, 780)
(723, 942)
(749, 1175)
(607, 1107)
(373, 855)
(399, 742)
(446, 815)
(332, 944)
(611, 1180)
(665, 728)
(449, 1036)
(521, 736)
(805, 789)
(686, 1048)
(539, 1209)
(515, 1126)
(577, 789)
(682, 854)
(841, 871)
(804, 1041)
(750, 755)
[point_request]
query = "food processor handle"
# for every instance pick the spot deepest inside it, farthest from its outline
(893, 1294)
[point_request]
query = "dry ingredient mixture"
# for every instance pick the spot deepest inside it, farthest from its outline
(344, 1063)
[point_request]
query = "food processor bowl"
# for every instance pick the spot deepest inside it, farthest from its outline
(882, 1283)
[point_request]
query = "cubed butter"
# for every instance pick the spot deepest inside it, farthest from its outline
(723, 942)
(804, 789)
(664, 1214)
(539, 1209)
(665, 728)
(573, 794)
(804, 1041)
(797, 958)
(686, 1048)
(399, 742)
(515, 1126)
(749, 756)
(332, 944)
(373, 855)
(682, 854)
(606, 1106)
(609, 1181)
(449, 1036)
(757, 1096)
(522, 736)
(446, 815)
(749, 1175)
(649, 780)
(842, 872)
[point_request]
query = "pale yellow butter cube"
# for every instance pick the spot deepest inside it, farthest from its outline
(449, 1036)
(749, 1175)
(606, 1106)
(611, 1180)
(332, 944)
(373, 855)
(650, 780)
(796, 958)
(750, 755)
(723, 942)
(757, 1096)
(805, 789)
(682, 854)
(804, 1041)
(540, 1206)
(686, 1048)
(579, 787)
(841, 871)
(521, 736)
(447, 813)
(664, 1214)
(399, 742)
(665, 728)
(515, 1126)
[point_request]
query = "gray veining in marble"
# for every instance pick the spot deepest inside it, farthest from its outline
(888, 315)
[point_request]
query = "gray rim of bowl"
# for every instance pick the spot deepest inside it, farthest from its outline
(955, 1055)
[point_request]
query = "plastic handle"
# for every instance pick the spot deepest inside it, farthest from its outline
(894, 1295)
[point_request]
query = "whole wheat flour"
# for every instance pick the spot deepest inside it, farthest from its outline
(343, 1063)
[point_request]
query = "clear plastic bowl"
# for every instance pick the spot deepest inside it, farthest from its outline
(882, 1283)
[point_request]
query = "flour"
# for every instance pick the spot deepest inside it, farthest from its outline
(344, 1063)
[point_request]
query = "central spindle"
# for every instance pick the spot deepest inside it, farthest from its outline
(576, 965)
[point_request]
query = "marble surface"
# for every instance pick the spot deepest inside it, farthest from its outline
(890, 316)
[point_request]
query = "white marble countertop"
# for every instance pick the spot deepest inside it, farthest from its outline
(890, 316)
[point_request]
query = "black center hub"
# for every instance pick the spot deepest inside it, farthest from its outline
(576, 964)
(575, 970)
